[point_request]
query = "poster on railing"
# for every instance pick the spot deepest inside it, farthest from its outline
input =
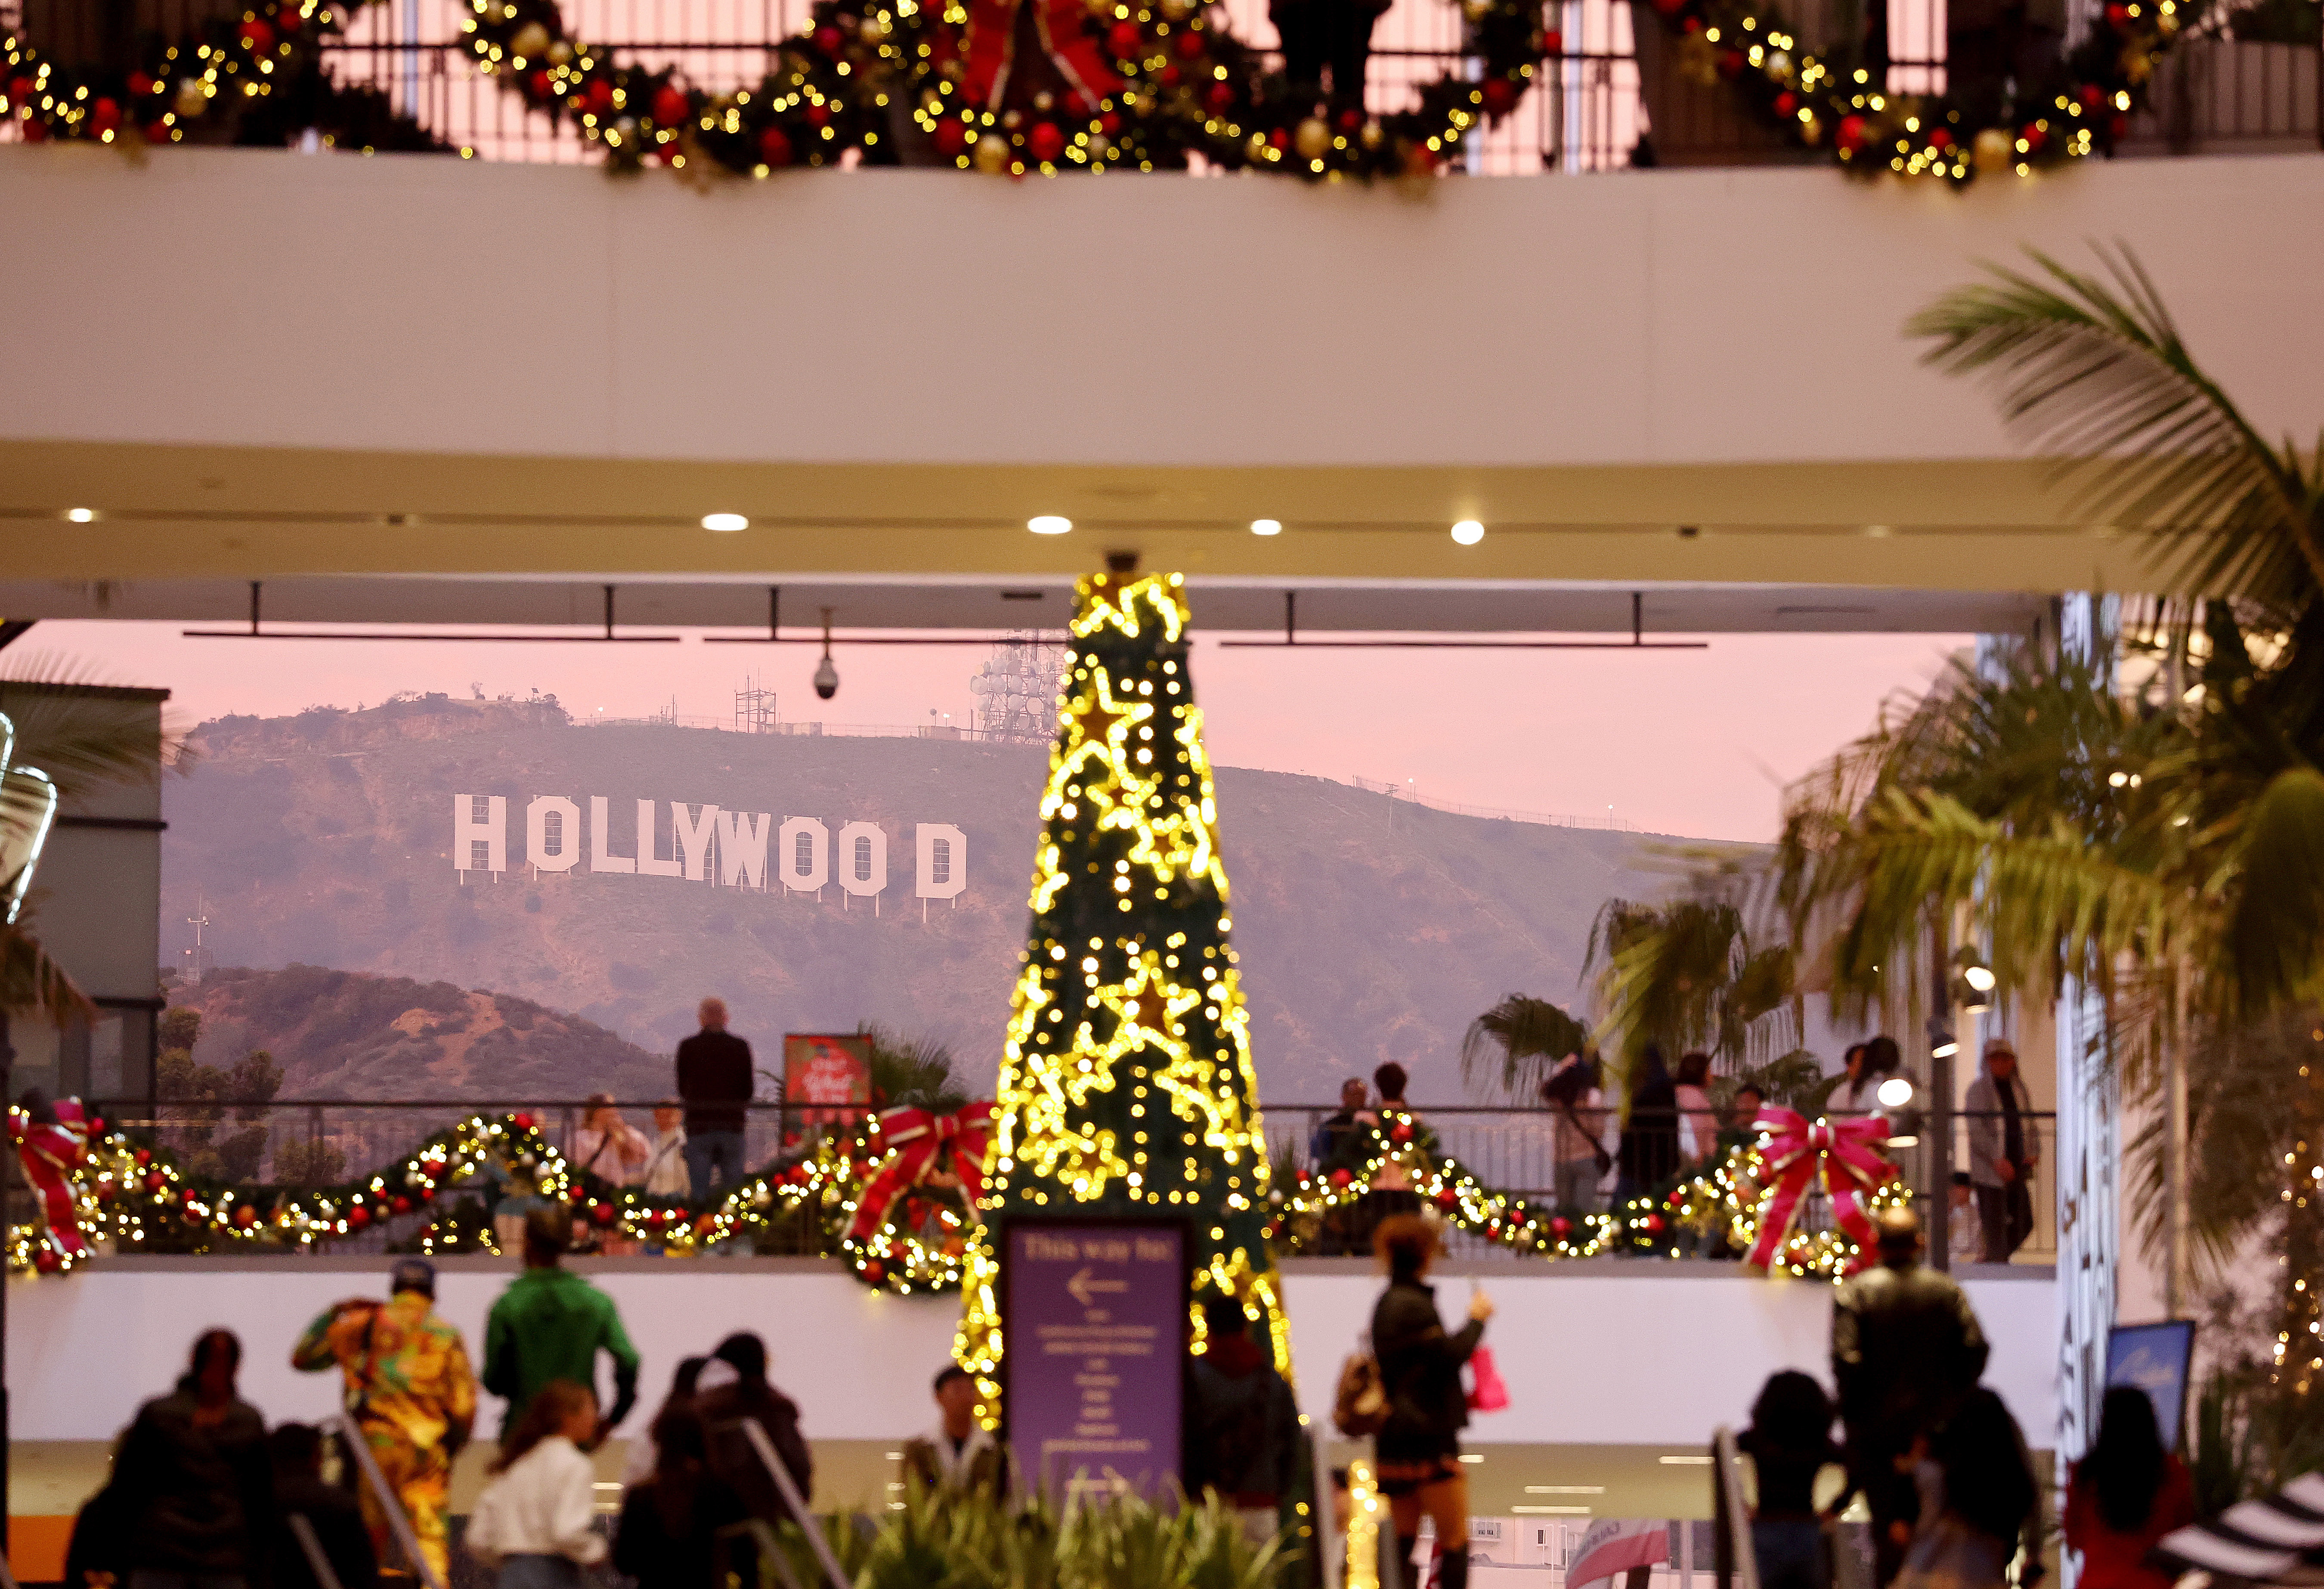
(826, 1070)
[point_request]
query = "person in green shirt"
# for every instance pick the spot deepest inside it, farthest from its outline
(550, 1325)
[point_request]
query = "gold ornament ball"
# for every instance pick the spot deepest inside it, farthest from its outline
(1779, 66)
(1372, 135)
(1995, 152)
(1313, 138)
(992, 154)
(190, 101)
(529, 41)
(560, 53)
(1811, 130)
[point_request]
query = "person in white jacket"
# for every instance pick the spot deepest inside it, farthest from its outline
(535, 1524)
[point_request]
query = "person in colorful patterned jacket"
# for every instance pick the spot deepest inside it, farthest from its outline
(409, 1390)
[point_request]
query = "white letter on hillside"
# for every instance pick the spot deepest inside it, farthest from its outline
(692, 837)
(803, 854)
(650, 864)
(941, 853)
(562, 856)
(743, 846)
(600, 858)
(469, 831)
(862, 859)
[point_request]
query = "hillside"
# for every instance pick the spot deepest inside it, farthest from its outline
(1368, 929)
(343, 1034)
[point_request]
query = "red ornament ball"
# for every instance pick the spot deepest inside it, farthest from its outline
(1340, 1178)
(599, 91)
(35, 131)
(951, 138)
(541, 85)
(46, 1262)
(144, 1156)
(1189, 45)
(155, 1181)
(2118, 128)
(2092, 96)
(105, 1188)
(1561, 1227)
(358, 1216)
(1786, 103)
(1168, 76)
(1219, 98)
(819, 113)
(875, 1271)
(139, 83)
(1448, 1199)
(2035, 137)
(669, 105)
(1654, 1224)
(1350, 120)
(1400, 1133)
(105, 115)
(2118, 14)
(1553, 42)
(401, 1205)
(775, 149)
(191, 1215)
(1852, 131)
(287, 18)
(1730, 64)
(1108, 124)
(827, 38)
(1127, 39)
(258, 35)
(1670, 8)
(245, 1218)
(1500, 96)
(1940, 139)
(603, 1213)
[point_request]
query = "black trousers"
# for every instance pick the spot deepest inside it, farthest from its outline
(1320, 34)
(2006, 1216)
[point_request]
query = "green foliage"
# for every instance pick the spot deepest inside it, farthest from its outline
(945, 1541)
(2254, 1427)
(317, 1163)
(180, 1028)
(2279, 22)
(1795, 1080)
(1688, 975)
(912, 1071)
(1518, 1044)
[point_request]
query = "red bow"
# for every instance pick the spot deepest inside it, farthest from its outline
(49, 1154)
(913, 1138)
(993, 49)
(1796, 1153)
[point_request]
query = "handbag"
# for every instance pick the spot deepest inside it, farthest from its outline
(1487, 1392)
(1359, 1405)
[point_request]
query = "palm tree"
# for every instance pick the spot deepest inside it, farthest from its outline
(82, 742)
(1688, 974)
(1518, 1043)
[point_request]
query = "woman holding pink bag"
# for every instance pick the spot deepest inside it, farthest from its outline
(1417, 1450)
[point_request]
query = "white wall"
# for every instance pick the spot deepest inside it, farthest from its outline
(407, 303)
(1658, 1357)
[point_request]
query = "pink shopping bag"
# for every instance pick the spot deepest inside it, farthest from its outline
(1487, 1393)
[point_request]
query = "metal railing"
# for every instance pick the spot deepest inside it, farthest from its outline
(1511, 1150)
(1610, 82)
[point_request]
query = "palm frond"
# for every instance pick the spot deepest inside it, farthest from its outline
(31, 983)
(2095, 372)
(82, 739)
(1518, 1043)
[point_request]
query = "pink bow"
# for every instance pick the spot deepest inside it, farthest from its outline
(49, 1154)
(1797, 1151)
(914, 1137)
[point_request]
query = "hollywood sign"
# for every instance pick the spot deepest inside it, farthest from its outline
(707, 843)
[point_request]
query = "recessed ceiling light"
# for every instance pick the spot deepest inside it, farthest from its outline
(1266, 527)
(725, 522)
(1684, 1461)
(1565, 1512)
(1877, 531)
(1468, 532)
(80, 516)
(1565, 1489)
(1048, 524)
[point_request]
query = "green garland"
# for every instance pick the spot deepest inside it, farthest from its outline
(1829, 102)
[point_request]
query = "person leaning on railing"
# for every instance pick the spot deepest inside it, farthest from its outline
(2003, 1150)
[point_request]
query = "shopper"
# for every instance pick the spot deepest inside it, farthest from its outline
(197, 1488)
(1336, 1144)
(535, 1523)
(1977, 1504)
(960, 1453)
(1577, 1125)
(1905, 1349)
(1698, 1121)
(1417, 1453)
(408, 1387)
(334, 1524)
(550, 1324)
(715, 1078)
(669, 1532)
(608, 1147)
(2003, 1150)
(642, 1452)
(1331, 1134)
(665, 1172)
(1789, 1444)
(1964, 1232)
(2126, 1495)
(733, 1388)
(1242, 1423)
(1647, 1154)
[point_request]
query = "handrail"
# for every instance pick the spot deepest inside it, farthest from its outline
(798, 1107)
(318, 1563)
(757, 1435)
(396, 1522)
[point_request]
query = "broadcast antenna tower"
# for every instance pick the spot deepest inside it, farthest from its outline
(754, 709)
(197, 920)
(1017, 690)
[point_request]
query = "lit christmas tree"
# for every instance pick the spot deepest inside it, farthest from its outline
(1126, 1088)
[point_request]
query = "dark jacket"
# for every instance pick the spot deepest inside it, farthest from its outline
(196, 1499)
(1649, 1150)
(100, 1539)
(713, 1070)
(661, 1556)
(1905, 1348)
(1420, 1371)
(1242, 1426)
(733, 1458)
(338, 1526)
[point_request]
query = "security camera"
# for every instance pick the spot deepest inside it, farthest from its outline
(827, 679)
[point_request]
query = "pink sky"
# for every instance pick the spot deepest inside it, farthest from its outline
(1690, 743)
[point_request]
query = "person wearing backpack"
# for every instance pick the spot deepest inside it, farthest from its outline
(1242, 1422)
(1417, 1450)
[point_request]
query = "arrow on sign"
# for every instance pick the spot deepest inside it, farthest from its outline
(1081, 1285)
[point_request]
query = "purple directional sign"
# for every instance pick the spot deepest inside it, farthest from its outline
(1095, 1322)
